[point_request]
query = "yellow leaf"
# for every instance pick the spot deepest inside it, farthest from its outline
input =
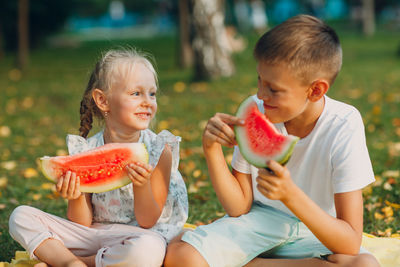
(36, 196)
(48, 186)
(193, 188)
(378, 216)
(3, 182)
(162, 125)
(9, 165)
(196, 173)
(388, 211)
(391, 173)
(179, 87)
(220, 214)
(5, 131)
(30, 172)
(61, 152)
(393, 205)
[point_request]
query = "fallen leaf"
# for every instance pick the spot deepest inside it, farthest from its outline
(3, 182)
(9, 165)
(5, 131)
(30, 172)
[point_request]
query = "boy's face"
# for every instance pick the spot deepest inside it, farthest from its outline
(284, 96)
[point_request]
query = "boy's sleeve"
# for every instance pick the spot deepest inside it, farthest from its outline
(239, 163)
(351, 165)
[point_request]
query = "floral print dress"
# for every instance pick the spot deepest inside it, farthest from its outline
(116, 206)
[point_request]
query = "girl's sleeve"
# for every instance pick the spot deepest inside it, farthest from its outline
(158, 144)
(76, 144)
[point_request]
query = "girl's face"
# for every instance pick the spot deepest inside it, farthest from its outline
(284, 96)
(132, 101)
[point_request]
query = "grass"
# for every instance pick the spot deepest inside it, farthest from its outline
(40, 106)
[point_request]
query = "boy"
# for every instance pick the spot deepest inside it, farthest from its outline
(309, 212)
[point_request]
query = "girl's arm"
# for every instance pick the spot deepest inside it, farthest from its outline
(341, 235)
(234, 190)
(80, 209)
(79, 204)
(150, 188)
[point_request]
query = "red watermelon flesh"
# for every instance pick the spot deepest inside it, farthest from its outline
(100, 169)
(258, 139)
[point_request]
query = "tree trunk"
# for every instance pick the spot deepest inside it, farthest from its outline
(210, 44)
(23, 34)
(368, 17)
(1, 41)
(186, 51)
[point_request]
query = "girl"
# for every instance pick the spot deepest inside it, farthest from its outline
(129, 226)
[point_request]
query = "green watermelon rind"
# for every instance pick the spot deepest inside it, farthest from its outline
(251, 157)
(46, 166)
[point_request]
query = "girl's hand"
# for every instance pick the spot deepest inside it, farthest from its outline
(219, 129)
(139, 173)
(69, 186)
(275, 185)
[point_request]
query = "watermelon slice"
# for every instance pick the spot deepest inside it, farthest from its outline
(258, 139)
(100, 169)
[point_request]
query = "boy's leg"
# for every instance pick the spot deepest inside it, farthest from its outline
(304, 249)
(233, 241)
(335, 260)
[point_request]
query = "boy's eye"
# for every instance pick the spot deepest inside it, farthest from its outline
(135, 93)
(153, 94)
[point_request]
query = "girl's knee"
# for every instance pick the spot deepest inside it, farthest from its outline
(146, 250)
(21, 215)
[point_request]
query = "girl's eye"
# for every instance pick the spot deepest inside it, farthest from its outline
(135, 93)
(273, 91)
(153, 94)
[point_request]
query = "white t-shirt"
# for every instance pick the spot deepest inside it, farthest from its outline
(333, 158)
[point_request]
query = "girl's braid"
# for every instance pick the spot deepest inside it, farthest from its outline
(88, 107)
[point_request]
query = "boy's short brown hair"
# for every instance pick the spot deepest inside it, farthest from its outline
(309, 47)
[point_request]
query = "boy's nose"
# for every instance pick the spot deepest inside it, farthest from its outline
(262, 94)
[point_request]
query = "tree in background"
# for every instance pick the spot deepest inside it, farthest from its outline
(23, 34)
(212, 56)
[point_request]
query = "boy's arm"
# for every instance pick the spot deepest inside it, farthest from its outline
(342, 234)
(234, 190)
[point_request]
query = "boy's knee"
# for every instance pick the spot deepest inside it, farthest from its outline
(365, 260)
(182, 254)
(360, 260)
(146, 250)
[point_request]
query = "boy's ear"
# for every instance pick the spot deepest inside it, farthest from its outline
(100, 99)
(318, 89)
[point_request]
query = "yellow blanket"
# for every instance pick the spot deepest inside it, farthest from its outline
(385, 249)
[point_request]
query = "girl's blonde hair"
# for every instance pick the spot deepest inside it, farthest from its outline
(106, 73)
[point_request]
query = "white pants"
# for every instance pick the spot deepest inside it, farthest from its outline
(113, 244)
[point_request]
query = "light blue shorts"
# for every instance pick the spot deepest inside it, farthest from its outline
(264, 231)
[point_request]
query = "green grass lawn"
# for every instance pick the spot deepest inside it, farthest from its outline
(39, 107)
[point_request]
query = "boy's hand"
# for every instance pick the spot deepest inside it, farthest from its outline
(219, 129)
(275, 185)
(139, 173)
(69, 186)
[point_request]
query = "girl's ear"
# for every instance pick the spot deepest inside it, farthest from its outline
(318, 89)
(100, 99)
